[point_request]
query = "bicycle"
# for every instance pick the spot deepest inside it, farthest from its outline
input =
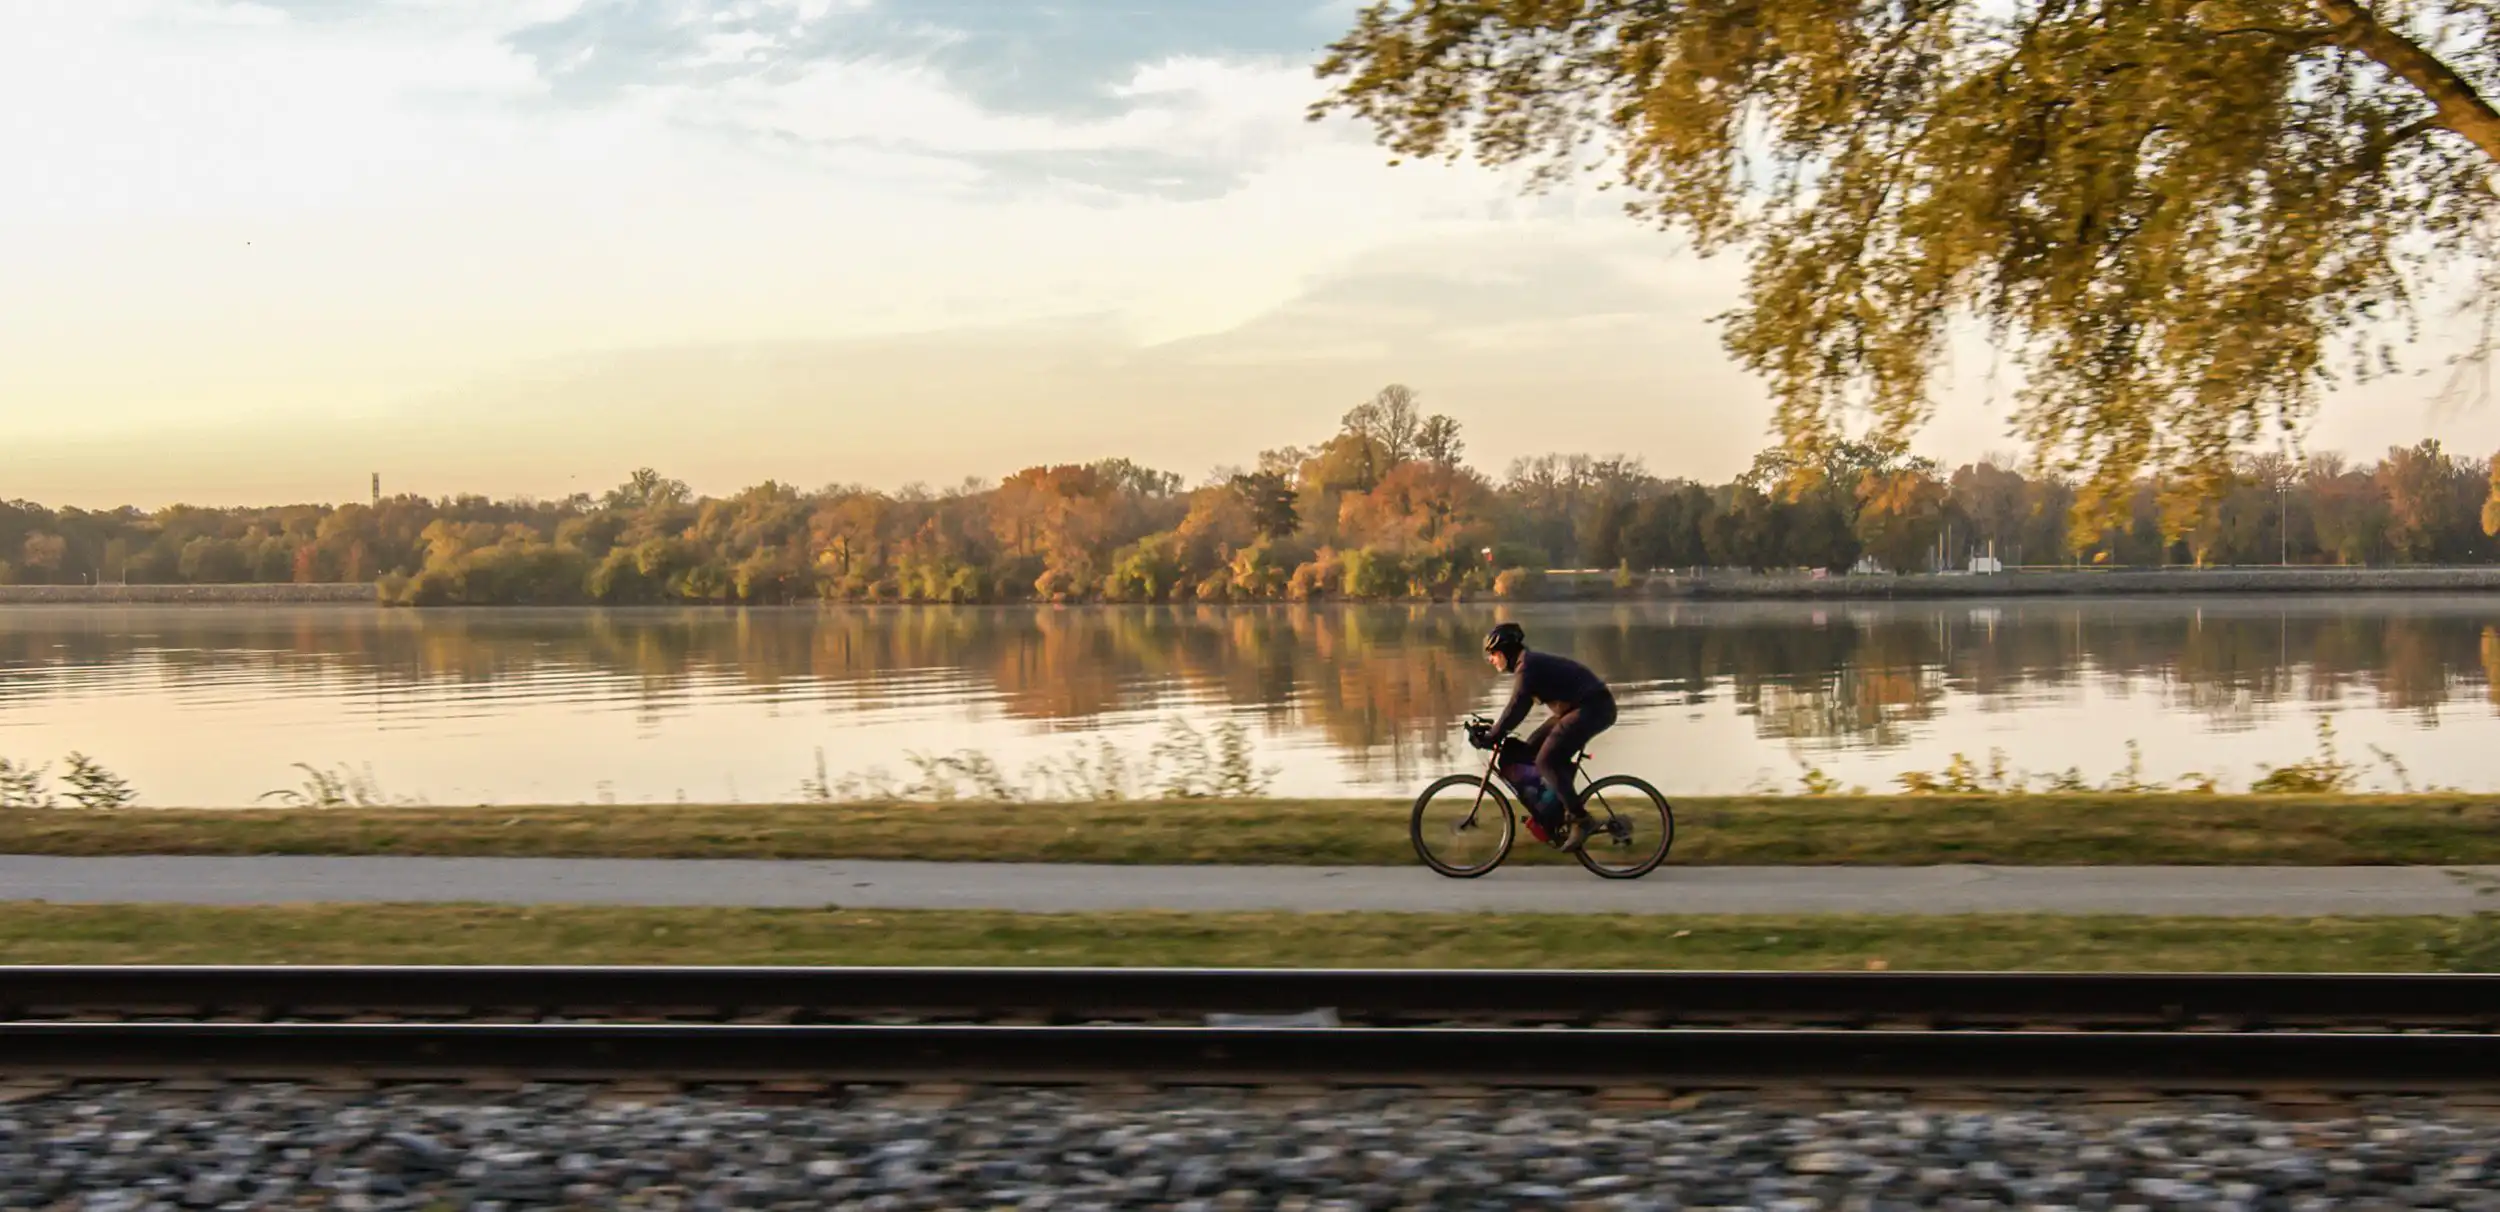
(1616, 849)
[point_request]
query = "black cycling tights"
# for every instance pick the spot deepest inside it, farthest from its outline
(1562, 736)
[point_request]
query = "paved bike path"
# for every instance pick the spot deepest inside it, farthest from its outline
(1037, 887)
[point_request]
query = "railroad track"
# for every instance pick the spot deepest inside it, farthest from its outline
(1381, 997)
(1608, 1029)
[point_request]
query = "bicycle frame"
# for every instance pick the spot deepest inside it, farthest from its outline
(1493, 772)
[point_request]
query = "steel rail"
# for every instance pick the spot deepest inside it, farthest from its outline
(2049, 1060)
(2226, 1000)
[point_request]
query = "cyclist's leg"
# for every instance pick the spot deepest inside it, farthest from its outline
(1535, 740)
(1553, 754)
(1576, 728)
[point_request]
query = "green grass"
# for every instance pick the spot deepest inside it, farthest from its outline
(467, 934)
(2036, 830)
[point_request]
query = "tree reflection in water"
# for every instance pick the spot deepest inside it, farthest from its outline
(1375, 687)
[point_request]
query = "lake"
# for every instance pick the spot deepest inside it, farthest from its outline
(214, 705)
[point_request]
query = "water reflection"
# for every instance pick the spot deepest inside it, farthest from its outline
(1363, 694)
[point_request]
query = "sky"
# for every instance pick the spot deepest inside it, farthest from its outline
(255, 252)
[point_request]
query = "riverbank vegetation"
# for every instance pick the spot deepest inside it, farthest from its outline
(1835, 830)
(1385, 508)
(1188, 767)
(478, 934)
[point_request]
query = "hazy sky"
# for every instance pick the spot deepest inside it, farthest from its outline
(251, 252)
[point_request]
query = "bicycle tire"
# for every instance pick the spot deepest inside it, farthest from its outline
(1491, 799)
(1590, 799)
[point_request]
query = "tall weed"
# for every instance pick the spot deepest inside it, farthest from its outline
(341, 788)
(89, 784)
(1183, 764)
(2325, 772)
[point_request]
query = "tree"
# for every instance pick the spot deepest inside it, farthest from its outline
(1353, 461)
(1438, 441)
(1219, 522)
(1284, 460)
(1899, 517)
(2173, 213)
(1391, 421)
(1268, 495)
(43, 553)
(2048, 507)
(2422, 506)
(2350, 513)
(1125, 476)
(1991, 497)
(1824, 492)
(646, 489)
(1666, 529)
(1421, 506)
(2491, 506)
(1815, 532)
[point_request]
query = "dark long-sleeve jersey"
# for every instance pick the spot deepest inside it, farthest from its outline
(1556, 681)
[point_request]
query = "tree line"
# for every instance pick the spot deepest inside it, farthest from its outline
(1384, 508)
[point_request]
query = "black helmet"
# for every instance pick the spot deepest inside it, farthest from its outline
(1506, 637)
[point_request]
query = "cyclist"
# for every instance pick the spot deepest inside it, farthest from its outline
(1581, 707)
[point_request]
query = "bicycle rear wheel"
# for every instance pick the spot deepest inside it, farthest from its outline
(1631, 827)
(1462, 826)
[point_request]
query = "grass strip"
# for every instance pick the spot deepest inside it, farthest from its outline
(36, 933)
(1835, 830)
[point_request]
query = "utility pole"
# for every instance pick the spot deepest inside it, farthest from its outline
(377, 490)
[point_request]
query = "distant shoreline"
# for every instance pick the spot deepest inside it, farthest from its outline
(2080, 583)
(1593, 587)
(188, 595)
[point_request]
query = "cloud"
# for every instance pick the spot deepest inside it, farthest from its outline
(1092, 99)
(1063, 59)
(1176, 99)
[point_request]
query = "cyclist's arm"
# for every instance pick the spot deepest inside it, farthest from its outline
(1517, 712)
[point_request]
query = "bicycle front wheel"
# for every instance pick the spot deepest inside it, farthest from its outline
(1462, 826)
(1630, 827)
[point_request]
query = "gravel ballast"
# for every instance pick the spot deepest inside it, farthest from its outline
(136, 1147)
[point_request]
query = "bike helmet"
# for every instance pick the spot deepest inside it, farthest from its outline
(1506, 637)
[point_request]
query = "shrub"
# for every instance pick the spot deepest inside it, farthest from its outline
(1265, 569)
(1323, 576)
(1519, 583)
(1055, 585)
(2324, 774)
(1372, 573)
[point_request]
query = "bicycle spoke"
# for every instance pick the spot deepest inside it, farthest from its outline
(1630, 831)
(1461, 826)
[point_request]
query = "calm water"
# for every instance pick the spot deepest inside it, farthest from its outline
(213, 705)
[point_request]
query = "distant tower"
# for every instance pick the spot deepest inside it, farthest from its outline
(377, 490)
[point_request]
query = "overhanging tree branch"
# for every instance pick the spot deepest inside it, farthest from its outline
(2461, 108)
(2171, 212)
